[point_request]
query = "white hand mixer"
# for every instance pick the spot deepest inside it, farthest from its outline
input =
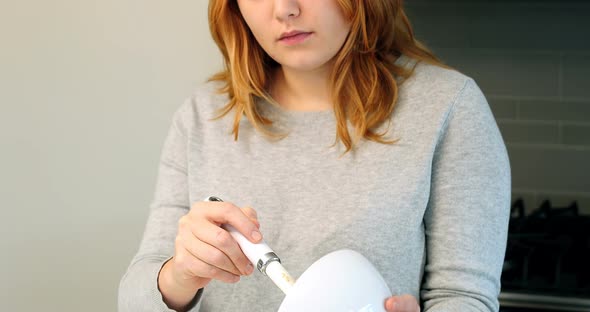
(342, 280)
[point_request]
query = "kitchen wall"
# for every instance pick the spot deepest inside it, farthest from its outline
(87, 93)
(532, 60)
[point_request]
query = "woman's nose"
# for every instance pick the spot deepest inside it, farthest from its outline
(286, 9)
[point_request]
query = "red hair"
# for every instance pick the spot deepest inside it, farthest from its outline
(363, 79)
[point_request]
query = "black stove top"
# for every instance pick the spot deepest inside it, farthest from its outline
(547, 263)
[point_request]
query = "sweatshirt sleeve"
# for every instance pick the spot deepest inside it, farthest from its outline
(466, 220)
(138, 288)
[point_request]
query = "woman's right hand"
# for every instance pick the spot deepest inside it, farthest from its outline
(205, 251)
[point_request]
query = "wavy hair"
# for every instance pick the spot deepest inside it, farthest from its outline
(363, 83)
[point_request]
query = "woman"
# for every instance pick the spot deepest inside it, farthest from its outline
(345, 133)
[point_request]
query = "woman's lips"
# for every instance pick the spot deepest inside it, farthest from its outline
(295, 39)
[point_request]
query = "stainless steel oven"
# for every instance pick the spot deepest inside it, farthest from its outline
(547, 263)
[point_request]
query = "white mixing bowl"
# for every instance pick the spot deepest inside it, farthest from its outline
(341, 281)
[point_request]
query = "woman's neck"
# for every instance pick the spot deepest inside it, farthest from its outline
(302, 90)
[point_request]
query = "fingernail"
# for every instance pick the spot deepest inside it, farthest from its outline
(235, 279)
(256, 235)
(249, 269)
(390, 305)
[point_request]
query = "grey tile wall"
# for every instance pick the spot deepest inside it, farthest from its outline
(532, 61)
(538, 132)
(549, 168)
(503, 108)
(540, 109)
(576, 69)
(576, 134)
(503, 72)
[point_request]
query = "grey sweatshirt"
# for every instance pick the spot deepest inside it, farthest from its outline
(430, 212)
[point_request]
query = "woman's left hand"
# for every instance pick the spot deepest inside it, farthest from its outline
(403, 303)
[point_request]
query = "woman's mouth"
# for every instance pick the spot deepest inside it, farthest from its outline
(296, 38)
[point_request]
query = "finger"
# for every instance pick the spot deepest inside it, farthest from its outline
(227, 213)
(403, 303)
(389, 304)
(251, 213)
(410, 303)
(201, 269)
(223, 241)
(208, 254)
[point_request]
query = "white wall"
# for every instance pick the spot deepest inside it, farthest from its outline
(87, 92)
